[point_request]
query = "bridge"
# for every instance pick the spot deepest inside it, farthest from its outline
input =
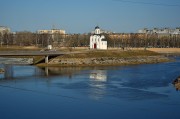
(47, 54)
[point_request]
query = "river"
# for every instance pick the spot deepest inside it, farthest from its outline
(139, 91)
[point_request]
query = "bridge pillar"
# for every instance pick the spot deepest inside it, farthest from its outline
(46, 59)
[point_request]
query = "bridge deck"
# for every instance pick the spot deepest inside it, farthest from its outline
(32, 53)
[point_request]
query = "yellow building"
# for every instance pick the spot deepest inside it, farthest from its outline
(52, 31)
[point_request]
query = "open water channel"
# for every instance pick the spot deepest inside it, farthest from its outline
(139, 91)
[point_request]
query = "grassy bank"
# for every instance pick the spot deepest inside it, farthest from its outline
(19, 48)
(86, 57)
(111, 53)
(107, 58)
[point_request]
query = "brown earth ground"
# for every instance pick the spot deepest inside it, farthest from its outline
(159, 50)
(165, 50)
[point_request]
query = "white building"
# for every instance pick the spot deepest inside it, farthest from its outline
(97, 41)
(162, 31)
(4, 30)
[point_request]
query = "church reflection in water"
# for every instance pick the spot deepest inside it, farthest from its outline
(98, 80)
(99, 75)
(96, 85)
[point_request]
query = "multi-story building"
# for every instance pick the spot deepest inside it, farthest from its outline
(164, 31)
(56, 36)
(145, 30)
(52, 31)
(177, 31)
(4, 30)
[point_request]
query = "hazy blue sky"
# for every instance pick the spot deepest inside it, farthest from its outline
(81, 16)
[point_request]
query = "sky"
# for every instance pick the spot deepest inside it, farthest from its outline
(81, 16)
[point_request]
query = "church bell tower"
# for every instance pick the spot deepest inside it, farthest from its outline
(97, 30)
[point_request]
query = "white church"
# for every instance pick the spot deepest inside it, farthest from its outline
(97, 41)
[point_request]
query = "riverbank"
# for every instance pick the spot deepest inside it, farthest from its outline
(86, 57)
(107, 58)
(6, 60)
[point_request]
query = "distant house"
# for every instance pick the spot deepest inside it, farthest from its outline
(97, 40)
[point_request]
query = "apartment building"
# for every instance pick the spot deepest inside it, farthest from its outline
(165, 31)
(4, 30)
(52, 31)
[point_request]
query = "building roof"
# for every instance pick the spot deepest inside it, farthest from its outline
(97, 27)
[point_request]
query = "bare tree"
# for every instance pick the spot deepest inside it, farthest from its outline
(1, 39)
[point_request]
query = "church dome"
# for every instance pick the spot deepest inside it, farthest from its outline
(97, 27)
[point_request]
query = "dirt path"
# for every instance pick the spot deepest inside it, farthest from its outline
(165, 50)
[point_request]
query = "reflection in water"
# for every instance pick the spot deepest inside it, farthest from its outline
(98, 84)
(22, 71)
(99, 92)
(13, 72)
(8, 71)
(176, 83)
(8, 74)
(129, 83)
(61, 71)
(99, 75)
(123, 92)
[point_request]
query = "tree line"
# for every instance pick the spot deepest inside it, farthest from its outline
(143, 40)
(26, 38)
(43, 40)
